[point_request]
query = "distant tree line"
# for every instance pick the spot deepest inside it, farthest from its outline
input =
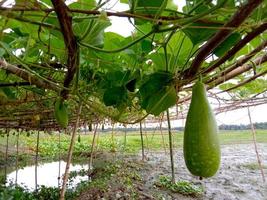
(258, 125)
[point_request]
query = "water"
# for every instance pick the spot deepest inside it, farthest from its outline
(47, 174)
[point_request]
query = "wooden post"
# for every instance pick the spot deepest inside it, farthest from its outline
(161, 133)
(145, 133)
(92, 151)
(17, 160)
(171, 146)
(142, 142)
(66, 174)
(255, 145)
(6, 156)
(36, 159)
(59, 156)
(112, 139)
(125, 137)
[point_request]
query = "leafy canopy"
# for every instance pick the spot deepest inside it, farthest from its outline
(124, 78)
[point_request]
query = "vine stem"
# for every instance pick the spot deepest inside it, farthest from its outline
(65, 22)
(66, 174)
(171, 145)
(255, 145)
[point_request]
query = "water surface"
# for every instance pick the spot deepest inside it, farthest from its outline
(48, 174)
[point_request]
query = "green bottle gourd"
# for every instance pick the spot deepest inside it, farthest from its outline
(61, 113)
(201, 144)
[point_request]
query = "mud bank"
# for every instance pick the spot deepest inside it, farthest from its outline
(239, 177)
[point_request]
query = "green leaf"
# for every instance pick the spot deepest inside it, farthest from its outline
(83, 4)
(118, 78)
(155, 82)
(171, 5)
(115, 96)
(57, 47)
(91, 31)
(36, 90)
(147, 7)
(227, 4)
(2, 52)
(198, 32)
(124, 1)
(112, 40)
(159, 62)
(131, 85)
(46, 3)
(10, 94)
(180, 47)
(226, 86)
(162, 100)
(227, 44)
(149, 3)
(26, 3)
(18, 32)
(146, 46)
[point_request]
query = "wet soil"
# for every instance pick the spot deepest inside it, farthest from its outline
(239, 177)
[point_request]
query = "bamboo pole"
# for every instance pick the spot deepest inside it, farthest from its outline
(125, 138)
(92, 151)
(66, 174)
(97, 140)
(161, 133)
(171, 146)
(36, 159)
(17, 160)
(112, 139)
(255, 145)
(145, 133)
(59, 156)
(6, 156)
(142, 142)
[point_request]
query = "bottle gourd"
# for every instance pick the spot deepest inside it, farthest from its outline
(61, 113)
(201, 144)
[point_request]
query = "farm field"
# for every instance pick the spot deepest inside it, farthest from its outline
(238, 178)
(49, 145)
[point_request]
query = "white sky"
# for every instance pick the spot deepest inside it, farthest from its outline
(121, 25)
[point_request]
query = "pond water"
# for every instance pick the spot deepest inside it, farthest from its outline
(48, 174)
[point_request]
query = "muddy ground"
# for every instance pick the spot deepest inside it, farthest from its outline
(238, 178)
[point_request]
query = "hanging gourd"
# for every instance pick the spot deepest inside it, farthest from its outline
(201, 143)
(61, 113)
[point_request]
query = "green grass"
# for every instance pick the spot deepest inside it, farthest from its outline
(242, 137)
(49, 146)
(253, 166)
(182, 186)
